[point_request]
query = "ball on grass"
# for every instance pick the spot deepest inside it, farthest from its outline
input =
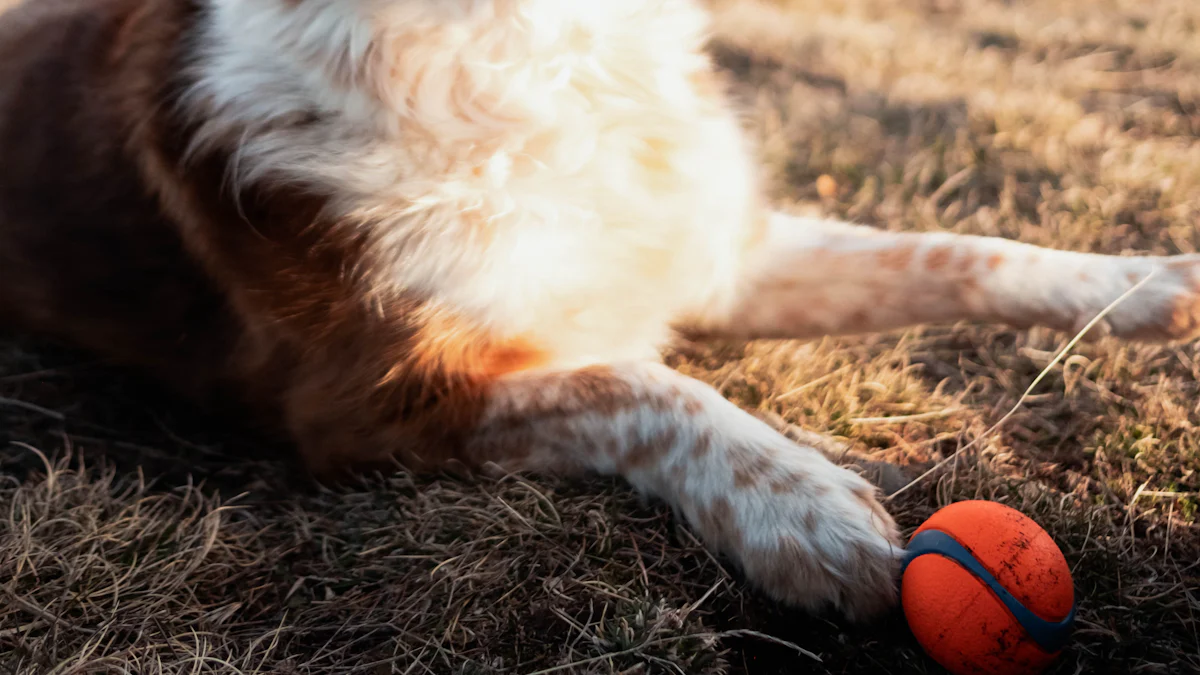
(986, 591)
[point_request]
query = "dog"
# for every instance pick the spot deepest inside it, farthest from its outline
(459, 233)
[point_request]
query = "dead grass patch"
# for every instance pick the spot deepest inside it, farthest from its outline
(1068, 123)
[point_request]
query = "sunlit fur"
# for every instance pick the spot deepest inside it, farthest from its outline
(446, 232)
(561, 170)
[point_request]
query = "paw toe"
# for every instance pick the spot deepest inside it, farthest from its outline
(845, 556)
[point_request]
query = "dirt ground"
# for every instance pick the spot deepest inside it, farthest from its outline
(138, 537)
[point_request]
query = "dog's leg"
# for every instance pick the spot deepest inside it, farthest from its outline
(809, 277)
(808, 532)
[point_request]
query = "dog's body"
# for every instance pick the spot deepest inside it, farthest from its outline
(459, 232)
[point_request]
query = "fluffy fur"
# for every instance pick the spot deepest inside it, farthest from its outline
(542, 168)
(448, 232)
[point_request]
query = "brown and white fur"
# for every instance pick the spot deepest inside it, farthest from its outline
(459, 232)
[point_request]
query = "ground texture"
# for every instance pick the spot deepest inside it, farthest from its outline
(136, 538)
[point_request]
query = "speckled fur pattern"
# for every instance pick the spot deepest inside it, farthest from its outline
(461, 232)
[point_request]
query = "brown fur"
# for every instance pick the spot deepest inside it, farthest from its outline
(253, 298)
(121, 233)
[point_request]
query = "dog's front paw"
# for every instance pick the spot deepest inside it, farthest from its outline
(807, 532)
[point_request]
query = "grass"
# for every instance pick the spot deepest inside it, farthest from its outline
(137, 537)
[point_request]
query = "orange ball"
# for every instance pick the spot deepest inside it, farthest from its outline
(986, 591)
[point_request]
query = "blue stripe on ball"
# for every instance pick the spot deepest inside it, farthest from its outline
(1050, 636)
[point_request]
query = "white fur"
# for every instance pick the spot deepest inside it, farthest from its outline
(557, 171)
(494, 149)
(812, 277)
(819, 541)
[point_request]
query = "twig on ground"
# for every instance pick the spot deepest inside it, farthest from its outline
(897, 419)
(679, 638)
(46, 412)
(1062, 353)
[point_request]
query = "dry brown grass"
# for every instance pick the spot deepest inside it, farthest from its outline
(153, 542)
